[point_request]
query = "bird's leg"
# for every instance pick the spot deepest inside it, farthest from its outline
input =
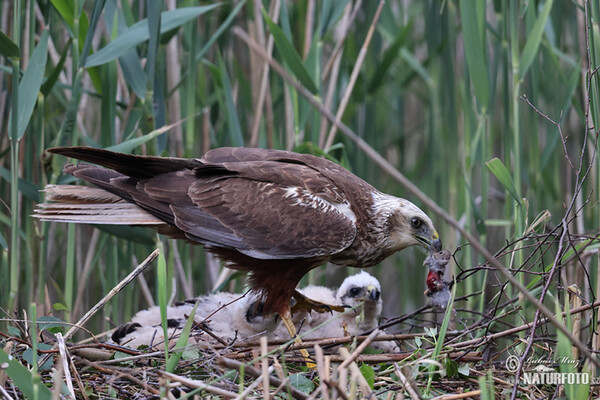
(303, 303)
(286, 317)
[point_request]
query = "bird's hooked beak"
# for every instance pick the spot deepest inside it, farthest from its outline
(432, 242)
(372, 293)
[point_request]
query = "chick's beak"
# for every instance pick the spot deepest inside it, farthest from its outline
(372, 293)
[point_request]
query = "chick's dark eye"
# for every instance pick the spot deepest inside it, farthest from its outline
(354, 292)
(416, 222)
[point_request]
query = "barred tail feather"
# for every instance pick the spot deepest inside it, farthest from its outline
(88, 205)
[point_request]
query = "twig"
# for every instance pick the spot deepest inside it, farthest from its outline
(253, 385)
(354, 371)
(65, 363)
(255, 373)
(264, 367)
(558, 126)
(307, 343)
(336, 385)
(194, 383)
(408, 384)
(520, 328)
(458, 395)
(5, 394)
(392, 357)
(138, 270)
(360, 348)
(129, 377)
(322, 371)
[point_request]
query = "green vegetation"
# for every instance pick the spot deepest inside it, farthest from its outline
(489, 108)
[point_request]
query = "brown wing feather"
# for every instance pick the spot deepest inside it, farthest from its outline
(267, 204)
(127, 164)
(271, 222)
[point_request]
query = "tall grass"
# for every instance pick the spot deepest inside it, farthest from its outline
(440, 93)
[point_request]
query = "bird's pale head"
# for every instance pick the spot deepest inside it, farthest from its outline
(358, 288)
(406, 225)
(361, 289)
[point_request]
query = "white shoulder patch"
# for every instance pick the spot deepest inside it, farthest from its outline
(305, 198)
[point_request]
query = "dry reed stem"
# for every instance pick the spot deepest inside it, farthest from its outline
(341, 40)
(308, 27)
(353, 76)
(264, 79)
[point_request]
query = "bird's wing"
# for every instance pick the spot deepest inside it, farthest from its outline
(127, 164)
(279, 210)
(264, 209)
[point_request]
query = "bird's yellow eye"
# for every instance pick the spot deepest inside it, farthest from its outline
(416, 222)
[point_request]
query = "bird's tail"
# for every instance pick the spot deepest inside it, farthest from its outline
(89, 205)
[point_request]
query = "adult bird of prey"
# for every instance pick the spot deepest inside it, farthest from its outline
(273, 213)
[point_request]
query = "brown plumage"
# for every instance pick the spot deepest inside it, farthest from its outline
(273, 213)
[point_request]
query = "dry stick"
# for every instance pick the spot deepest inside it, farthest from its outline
(473, 356)
(336, 385)
(355, 372)
(193, 383)
(279, 371)
(4, 393)
(359, 60)
(414, 395)
(398, 176)
(255, 373)
(524, 327)
(65, 363)
(360, 348)
(320, 360)
(252, 386)
(112, 293)
(75, 373)
(129, 377)
(458, 395)
(265, 367)
(306, 343)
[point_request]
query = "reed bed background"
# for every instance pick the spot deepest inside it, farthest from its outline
(489, 108)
